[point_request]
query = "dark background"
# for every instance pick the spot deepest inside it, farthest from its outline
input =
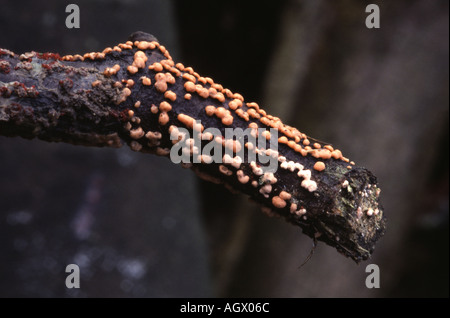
(140, 226)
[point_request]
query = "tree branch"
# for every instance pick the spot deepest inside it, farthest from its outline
(136, 94)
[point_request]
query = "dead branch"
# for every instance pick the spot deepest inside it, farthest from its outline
(134, 93)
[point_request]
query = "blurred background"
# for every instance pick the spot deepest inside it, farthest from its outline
(140, 226)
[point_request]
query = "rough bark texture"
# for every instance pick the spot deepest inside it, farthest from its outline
(102, 99)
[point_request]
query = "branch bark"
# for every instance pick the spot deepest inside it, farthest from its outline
(134, 93)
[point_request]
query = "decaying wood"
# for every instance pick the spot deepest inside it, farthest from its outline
(134, 93)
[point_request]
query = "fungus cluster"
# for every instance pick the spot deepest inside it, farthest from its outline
(164, 77)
